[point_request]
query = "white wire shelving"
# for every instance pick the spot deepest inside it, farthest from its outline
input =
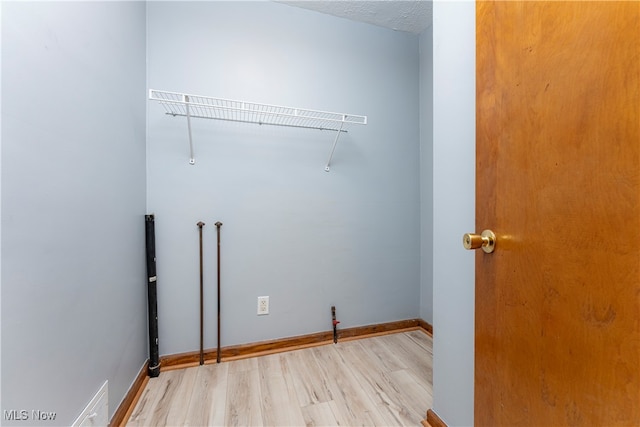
(204, 107)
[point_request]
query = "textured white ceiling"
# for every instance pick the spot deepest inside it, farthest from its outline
(412, 16)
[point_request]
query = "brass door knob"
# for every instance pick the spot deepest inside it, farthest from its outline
(486, 241)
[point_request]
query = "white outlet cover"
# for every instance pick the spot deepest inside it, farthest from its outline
(263, 305)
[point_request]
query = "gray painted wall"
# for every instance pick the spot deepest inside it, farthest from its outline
(426, 175)
(307, 238)
(454, 209)
(73, 200)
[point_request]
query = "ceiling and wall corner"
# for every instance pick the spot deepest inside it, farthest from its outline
(412, 16)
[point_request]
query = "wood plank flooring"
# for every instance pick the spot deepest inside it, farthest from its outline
(377, 381)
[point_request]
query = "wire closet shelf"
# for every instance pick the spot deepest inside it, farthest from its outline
(197, 106)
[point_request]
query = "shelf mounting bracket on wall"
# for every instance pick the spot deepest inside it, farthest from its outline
(196, 106)
(333, 148)
(192, 159)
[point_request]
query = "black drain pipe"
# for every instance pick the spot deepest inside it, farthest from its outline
(154, 356)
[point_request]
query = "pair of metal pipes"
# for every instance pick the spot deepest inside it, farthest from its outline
(201, 224)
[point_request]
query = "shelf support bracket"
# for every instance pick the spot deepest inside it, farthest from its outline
(335, 142)
(192, 160)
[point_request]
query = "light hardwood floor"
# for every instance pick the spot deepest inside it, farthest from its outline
(378, 381)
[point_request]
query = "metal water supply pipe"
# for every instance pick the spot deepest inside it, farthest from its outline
(200, 224)
(218, 225)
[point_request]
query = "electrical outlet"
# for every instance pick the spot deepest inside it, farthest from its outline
(263, 305)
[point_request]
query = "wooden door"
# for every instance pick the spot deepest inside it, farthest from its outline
(558, 181)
